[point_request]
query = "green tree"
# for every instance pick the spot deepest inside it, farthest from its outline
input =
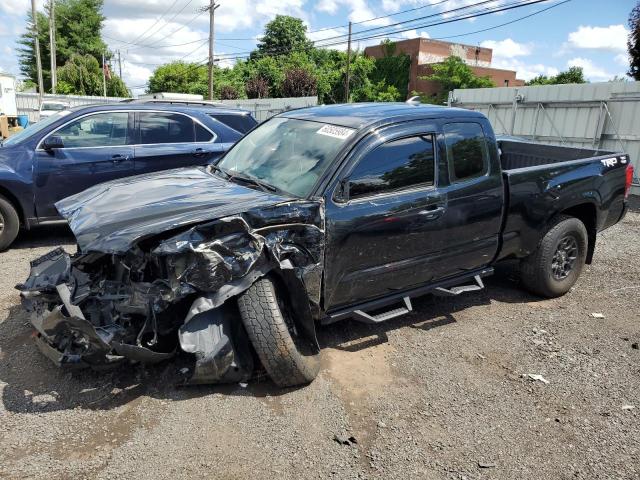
(392, 70)
(286, 64)
(283, 35)
(573, 75)
(633, 42)
(179, 77)
(453, 74)
(78, 25)
(82, 75)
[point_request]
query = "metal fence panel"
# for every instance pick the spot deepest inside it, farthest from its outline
(29, 103)
(265, 108)
(594, 115)
(262, 109)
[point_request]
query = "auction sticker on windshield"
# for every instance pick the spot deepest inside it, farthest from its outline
(335, 131)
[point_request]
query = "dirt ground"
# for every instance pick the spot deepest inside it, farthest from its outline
(440, 394)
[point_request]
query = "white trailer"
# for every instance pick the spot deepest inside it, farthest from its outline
(170, 96)
(8, 104)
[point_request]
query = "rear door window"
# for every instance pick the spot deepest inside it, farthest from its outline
(202, 134)
(467, 151)
(157, 127)
(395, 165)
(240, 123)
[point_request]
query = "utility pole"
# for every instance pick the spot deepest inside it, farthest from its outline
(119, 64)
(52, 44)
(212, 8)
(37, 45)
(104, 78)
(346, 86)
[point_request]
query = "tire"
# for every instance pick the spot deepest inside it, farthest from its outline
(288, 358)
(9, 223)
(547, 271)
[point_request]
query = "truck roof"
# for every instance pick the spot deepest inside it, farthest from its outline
(360, 115)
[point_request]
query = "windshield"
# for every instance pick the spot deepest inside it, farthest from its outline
(53, 106)
(289, 154)
(32, 129)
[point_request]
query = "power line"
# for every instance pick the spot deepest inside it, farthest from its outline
(156, 22)
(440, 14)
(442, 22)
(319, 44)
(379, 17)
(124, 42)
(486, 11)
(451, 20)
(311, 31)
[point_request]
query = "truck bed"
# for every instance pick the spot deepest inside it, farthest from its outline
(543, 180)
(517, 154)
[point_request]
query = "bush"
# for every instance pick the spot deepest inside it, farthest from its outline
(257, 87)
(299, 82)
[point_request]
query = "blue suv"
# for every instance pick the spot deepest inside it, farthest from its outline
(81, 147)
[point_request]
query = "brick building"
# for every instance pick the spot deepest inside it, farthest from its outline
(424, 52)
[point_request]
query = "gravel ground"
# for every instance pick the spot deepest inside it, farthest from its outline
(438, 395)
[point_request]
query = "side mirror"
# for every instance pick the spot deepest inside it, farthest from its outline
(52, 142)
(341, 194)
(36, 109)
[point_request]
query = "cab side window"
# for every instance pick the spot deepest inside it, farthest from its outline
(107, 129)
(467, 151)
(395, 165)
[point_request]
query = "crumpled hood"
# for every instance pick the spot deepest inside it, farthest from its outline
(112, 216)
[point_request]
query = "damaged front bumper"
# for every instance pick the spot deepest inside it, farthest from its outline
(169, 296)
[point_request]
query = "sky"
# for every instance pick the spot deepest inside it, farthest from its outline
(591, 34)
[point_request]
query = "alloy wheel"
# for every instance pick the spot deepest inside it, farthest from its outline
(564, 259)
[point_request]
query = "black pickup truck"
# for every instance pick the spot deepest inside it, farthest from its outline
(317, 215)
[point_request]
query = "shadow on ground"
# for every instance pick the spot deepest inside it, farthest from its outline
(34, 384)
(44, 236)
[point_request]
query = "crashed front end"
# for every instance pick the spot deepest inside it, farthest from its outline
(168, 292)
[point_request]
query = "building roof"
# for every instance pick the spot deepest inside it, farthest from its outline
(360, 115)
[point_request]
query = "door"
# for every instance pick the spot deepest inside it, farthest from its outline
(385, 225)
(94, 148)
(475, 197)
(172, 140)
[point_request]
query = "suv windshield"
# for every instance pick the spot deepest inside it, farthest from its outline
(31, 130)
(287, 153)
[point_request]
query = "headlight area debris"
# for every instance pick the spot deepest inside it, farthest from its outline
(168, 294)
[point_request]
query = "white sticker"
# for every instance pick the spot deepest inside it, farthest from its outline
(336, 132)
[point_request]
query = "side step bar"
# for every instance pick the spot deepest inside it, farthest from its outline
(364, 317)
(453, 291)
(449, 287)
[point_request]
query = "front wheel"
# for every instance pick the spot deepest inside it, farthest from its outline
(555, 266)
(9, 223)
(288, 357)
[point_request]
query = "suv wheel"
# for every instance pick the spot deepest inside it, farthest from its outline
(9, 223)
(288, 357)
(555, 266)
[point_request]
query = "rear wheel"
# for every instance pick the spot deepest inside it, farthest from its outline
(286, 355)
(555, 266)
(9, 223)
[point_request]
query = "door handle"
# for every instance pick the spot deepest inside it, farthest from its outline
(119, 158)
(432, 212)
(199, 152)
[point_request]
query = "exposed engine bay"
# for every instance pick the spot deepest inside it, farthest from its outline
(173, 292)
